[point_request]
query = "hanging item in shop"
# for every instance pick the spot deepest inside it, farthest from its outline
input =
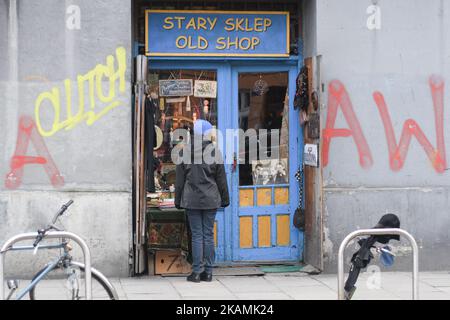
(175, 87)
(299, 214)
(188, 104)
(313, 125)
(260, 87)
(301, 99)
(205, 89)
(159, 138)
(205, 107)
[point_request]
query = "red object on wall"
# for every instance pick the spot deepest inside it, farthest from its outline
(338, 96)
(27, 132)
(398, 152)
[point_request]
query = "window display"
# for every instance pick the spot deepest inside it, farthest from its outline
(182, 97)
(263, 104)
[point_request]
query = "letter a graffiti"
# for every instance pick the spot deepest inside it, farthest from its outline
(398, 152)
(27, 132)
(338, 96)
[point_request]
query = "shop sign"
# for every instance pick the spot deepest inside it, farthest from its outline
(176, 87)
(216, 33)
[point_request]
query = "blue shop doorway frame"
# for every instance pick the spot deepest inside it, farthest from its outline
(228, 250)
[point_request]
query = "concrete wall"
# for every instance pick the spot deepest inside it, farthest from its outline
(406, 60)
(85, 156)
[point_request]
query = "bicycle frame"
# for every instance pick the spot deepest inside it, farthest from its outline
(35, 281)
(8, 246)
(49, 266)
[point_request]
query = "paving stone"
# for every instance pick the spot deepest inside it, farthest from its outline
(293, 281)
(263, 296)
(246, 284)
(394, 286)
(437, 282)
(153, 296)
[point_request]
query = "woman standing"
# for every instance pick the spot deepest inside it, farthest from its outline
(201, 188)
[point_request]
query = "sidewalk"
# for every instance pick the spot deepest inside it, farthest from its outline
(274, 286)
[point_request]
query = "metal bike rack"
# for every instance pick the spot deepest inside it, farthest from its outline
(375, 232)
(50, 235)
(102, 277)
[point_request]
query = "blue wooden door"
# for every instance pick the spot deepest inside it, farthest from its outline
(258, 228)
(262, 208)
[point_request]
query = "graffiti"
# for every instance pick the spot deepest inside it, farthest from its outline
(27, 132)
(338, 96)
(93, 80)
(398, 152)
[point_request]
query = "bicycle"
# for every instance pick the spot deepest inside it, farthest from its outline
(73, 272)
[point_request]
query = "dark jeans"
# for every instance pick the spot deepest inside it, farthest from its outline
(201, 223)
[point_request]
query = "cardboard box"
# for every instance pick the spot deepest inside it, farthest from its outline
(171, 262)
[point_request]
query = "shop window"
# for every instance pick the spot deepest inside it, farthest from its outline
(182, 96)
(263, 107)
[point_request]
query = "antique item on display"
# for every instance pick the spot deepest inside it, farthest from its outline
(260, 87)
(188, 104)
(167, 235)
(270, 172)
(175, 87)
(159, 138)
(301, 99)
(205, 89)
(310, 157)
(205, 107)
(152, 200)
(313, 125)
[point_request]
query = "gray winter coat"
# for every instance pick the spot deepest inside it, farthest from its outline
(201, 186)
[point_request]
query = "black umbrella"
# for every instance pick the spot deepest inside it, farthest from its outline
(362, 257)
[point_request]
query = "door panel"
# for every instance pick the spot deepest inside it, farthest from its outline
(264, 191)
(313, 178)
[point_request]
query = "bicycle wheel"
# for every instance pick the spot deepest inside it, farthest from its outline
(69, 284)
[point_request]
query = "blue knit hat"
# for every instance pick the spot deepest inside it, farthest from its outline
(202, 127)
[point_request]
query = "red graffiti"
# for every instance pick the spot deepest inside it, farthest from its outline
(398, 152)
(338, 96)
(27, 132)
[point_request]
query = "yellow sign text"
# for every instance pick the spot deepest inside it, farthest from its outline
(196, 23)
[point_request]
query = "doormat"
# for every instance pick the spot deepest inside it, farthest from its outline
(280, 269)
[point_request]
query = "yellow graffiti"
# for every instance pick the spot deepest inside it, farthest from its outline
(93, 80)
